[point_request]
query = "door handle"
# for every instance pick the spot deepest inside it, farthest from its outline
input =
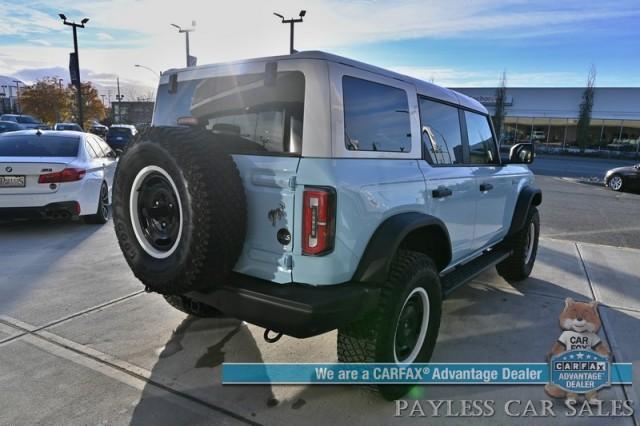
(486, 187)
(441, 192)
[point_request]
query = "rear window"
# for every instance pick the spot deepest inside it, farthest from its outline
(376, 116)
(120, 131)
(259, 113)
(27, 119)
(261, 117)
(38, 146)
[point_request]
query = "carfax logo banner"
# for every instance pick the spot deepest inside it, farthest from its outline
(580, 371)
(432, 373)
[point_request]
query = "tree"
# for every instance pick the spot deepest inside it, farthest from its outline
(501, 96)
(47, 99)
(92, 105)
(586, 106)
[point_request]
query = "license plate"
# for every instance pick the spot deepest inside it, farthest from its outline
(12, 181)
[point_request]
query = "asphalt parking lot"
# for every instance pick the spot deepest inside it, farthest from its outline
(80, 342)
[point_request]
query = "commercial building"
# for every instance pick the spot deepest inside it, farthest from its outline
(549, 117)
(132, 112)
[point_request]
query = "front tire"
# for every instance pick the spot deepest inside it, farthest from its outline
(616, 183)
(404, 327)
(524, 246)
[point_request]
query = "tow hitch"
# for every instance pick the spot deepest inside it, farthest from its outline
(271, 339)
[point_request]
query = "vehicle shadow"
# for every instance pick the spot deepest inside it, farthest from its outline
(190, 365)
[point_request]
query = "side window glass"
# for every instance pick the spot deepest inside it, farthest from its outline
(106, 149)
(376, 117)
(482, 148)
(94, 149)
(441, 134)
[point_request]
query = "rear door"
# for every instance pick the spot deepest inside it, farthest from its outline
(258, 115)
(495, 185)
(451, 191)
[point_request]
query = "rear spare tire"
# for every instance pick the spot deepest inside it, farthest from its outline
(179, 210)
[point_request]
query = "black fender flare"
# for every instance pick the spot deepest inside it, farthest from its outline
(529, 196)
(386, 240)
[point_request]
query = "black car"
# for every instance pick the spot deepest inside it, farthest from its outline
(10, 126)
(623, 178)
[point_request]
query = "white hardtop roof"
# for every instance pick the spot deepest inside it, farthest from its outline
(422, 87)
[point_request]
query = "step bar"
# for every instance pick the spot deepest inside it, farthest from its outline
(464, 273)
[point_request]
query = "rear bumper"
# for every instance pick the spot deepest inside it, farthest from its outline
(50, 211)
(297, 310)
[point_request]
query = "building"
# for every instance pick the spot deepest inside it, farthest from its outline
(132, 112)
(549, 116)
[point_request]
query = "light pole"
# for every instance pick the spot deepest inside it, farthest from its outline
(119, 98)
(292, 22)
(186, 32)
(18, 109)
(150, 69)
(76, 65)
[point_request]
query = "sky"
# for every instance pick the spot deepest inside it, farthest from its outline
(454, 43)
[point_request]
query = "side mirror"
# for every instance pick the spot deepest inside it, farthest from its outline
(119, 152)
(521, 153)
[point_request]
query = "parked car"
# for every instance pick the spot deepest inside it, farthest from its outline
(311, 192)
(27, 121)
(623, 178)
(68, 126)
(119, 136)
(55, 174)
(99, 129)
(10, 126)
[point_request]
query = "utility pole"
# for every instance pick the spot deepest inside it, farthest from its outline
(75, 64)
(186, 31)
(119, 99)
(292, 22)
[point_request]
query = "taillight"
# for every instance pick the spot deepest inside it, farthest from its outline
(318, 221)
(66, 175)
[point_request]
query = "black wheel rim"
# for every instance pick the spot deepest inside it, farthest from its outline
(409, 327)
(104, 202)
(158, 212)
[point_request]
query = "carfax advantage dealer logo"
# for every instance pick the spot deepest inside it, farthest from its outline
(580, 371)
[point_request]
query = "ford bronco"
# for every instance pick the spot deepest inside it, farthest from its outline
(310, 192)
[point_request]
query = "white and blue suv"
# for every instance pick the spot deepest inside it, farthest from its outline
(310, 192)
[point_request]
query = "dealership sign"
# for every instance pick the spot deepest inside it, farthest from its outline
(491, 100)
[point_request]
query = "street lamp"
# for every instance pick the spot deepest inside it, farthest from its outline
(292, 22)
(150, 69)
(18, 109)
(75, 63)
(186, 32)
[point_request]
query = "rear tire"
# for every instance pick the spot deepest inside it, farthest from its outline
(524, 245)
(404, 327)
(179, 210)
(191, 307)
(102, 215)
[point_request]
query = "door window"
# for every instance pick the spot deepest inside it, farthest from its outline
(482, 147)
(376, 116)
(441, 134)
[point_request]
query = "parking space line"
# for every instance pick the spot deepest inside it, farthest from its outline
(106, 364)
(89, 310)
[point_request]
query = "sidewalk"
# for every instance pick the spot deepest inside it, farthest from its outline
(130, 358)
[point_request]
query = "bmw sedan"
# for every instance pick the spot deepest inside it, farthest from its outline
(55, 174)
(623, 178)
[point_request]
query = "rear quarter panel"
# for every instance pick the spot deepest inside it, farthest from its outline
(368, 192)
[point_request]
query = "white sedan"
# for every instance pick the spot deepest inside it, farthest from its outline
(55, 174)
